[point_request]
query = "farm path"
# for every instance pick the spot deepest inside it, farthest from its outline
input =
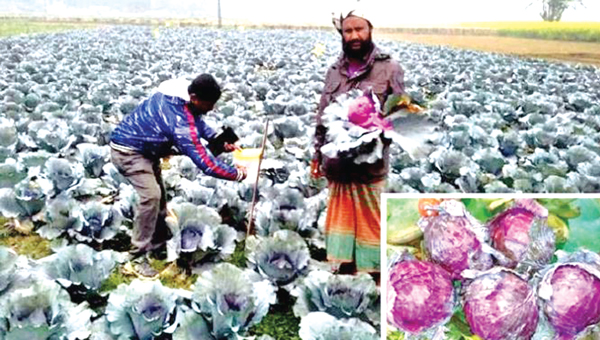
(569, 51)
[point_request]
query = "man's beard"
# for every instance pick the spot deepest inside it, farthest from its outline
(365, 48)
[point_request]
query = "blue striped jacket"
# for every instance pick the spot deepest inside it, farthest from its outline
(161, 123)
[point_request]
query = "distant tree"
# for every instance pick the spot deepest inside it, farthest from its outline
(552, 10)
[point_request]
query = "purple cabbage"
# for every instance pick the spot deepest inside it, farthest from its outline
(452, 241)
(522, 235)
(420, 296)
(570, 294)
(499, 304)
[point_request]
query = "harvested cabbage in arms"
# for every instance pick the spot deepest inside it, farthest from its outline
(356, 128)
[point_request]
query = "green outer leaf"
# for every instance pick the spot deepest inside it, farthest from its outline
(479, 208)
(563, 208)
(458, 328)
(395, 335)
(402, 218)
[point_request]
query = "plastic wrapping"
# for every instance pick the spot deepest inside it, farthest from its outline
(420, 296)
(455, 240)
(570, 294)
(522, 235)
(499, 304)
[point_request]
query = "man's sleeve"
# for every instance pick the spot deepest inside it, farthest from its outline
(206, 132)
(325, 97)
(396, 78)
(187, 141)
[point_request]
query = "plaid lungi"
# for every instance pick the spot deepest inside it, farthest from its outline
(353, 224)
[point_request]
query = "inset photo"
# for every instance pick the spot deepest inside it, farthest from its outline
(491, 268)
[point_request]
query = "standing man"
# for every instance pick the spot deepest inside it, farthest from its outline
(352, 225)
(170, 119)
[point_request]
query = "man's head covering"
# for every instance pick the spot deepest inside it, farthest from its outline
(357, 10)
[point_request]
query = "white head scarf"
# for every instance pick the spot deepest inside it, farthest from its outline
(356, 10)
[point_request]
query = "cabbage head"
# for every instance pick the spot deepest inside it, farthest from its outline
(141, 310)
(343, 296)
(232, 299)
(455, 240)
(100, 222)
(281, 258)
(569, 293)
(199, 236)
(500, 304)
(420, 296)
(63, 174)
(62, 214)
(93, 158)
(26, 199)
(322, 326)
(521, 233)
(80, 265)
(42, 310)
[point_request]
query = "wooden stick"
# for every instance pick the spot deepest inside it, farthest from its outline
(250, 230)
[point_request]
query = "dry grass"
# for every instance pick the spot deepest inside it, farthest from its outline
(570, 51)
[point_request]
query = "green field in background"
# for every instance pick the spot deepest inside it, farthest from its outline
(571, 31)
(568, 31)
(16, 26)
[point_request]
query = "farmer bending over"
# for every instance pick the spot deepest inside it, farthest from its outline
(170, 119)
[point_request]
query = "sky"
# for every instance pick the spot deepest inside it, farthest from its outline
(399, 12)
(382, 13)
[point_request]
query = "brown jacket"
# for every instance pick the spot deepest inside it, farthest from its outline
(385, 76)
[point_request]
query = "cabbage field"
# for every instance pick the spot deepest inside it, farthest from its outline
(504, 125)
(493, 269)
(67, 212)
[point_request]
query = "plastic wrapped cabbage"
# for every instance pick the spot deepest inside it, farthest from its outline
(522, 235)
(420, 297)
(500, 304)
(570, 294)
(455, 240)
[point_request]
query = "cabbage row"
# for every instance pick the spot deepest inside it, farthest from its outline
(62, 94)
(62, 296)
(526, 125)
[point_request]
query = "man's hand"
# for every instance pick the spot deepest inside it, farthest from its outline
(231, 147)
(242, 172)
(320, 135)
(315, 167)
